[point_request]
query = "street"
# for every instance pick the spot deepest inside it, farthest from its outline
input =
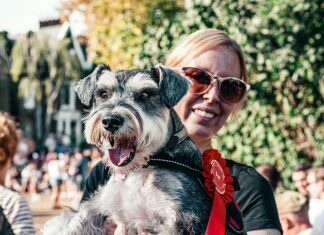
(42, 211)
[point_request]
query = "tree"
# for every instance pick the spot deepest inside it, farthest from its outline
(39, 68)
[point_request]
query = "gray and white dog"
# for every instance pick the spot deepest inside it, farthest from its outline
(133, 123)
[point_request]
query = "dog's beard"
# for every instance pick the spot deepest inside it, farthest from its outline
(130, 147)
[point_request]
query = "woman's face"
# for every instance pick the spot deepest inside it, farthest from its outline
(203, 115)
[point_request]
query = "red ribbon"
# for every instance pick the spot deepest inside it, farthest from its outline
(219, 187)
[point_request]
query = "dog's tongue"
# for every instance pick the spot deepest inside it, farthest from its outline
(118, 155)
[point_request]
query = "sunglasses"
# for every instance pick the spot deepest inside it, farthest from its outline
(231, 89)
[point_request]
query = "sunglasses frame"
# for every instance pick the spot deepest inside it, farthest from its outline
(218, 78)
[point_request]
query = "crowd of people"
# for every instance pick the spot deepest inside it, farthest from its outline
(62, 173)
(217, 70)
(301, 211)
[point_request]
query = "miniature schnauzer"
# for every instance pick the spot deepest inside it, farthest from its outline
(133, 123)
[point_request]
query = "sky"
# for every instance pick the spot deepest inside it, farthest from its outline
(20, 16)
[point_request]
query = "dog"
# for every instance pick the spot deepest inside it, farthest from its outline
(132, 121)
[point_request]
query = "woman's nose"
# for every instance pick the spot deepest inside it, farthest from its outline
(212, 94)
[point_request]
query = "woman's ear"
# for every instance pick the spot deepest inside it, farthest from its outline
(286, 222)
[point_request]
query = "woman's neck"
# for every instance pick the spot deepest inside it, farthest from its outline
(203, 144)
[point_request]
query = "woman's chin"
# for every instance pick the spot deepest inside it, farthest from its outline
(198, 133)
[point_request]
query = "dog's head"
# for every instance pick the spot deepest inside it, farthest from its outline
(130, 112)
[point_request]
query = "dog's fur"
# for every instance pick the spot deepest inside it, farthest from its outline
(133, 123)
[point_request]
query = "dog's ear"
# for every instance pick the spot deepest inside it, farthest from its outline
(172, 85)
(86, 86)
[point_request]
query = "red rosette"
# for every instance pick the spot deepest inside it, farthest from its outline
(216, 175)
(218, 183)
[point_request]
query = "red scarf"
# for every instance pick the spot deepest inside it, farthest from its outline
(219, 187)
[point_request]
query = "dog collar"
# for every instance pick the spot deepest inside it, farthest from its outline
(178, 137)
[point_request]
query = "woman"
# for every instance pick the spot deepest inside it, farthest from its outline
(15, 208)
(208, 105)
(204, 111)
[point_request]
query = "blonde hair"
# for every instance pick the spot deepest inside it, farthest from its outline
(201, 41)
(8, 138)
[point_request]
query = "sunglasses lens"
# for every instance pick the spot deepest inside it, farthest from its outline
(199, 78)
(232, 90)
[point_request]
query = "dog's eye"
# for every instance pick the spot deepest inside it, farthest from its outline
(103, 95)
(144, 95)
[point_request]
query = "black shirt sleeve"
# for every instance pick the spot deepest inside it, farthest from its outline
(5, 227)
(256, 200)
(99, 175)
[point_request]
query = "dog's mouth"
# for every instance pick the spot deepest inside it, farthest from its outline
(121, 153)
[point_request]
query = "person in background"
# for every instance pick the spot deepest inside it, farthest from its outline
(270, 173)
(54, 170)
(315, 189)
(299, 176)
(293, 214)
(96, 156)
(83, 165)
(14, 206)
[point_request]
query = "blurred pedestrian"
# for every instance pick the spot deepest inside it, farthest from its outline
(293, 214)
(54, 169)
(96, 156)
(15, 207)
(315, 188)
(270, 173)
(83, 165)
(299, 177)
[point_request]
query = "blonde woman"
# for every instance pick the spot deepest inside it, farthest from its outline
(215, 65)
(15, 208)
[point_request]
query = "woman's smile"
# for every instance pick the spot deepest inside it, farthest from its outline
(204, 114)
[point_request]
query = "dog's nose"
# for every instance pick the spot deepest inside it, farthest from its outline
(112, 123)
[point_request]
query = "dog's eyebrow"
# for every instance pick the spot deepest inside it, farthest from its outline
(140, 81)
(107, 79)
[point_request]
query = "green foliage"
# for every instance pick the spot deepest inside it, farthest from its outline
(35, 62)
(282, 122)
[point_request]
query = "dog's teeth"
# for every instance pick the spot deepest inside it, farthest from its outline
(112, 142)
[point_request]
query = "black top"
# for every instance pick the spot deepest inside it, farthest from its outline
(5, 227)
(255, 197)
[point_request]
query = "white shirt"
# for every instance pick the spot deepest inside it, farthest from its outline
(310, 231)
(316, 214)
(54, 169)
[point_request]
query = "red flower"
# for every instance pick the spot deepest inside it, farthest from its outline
(216, 175)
